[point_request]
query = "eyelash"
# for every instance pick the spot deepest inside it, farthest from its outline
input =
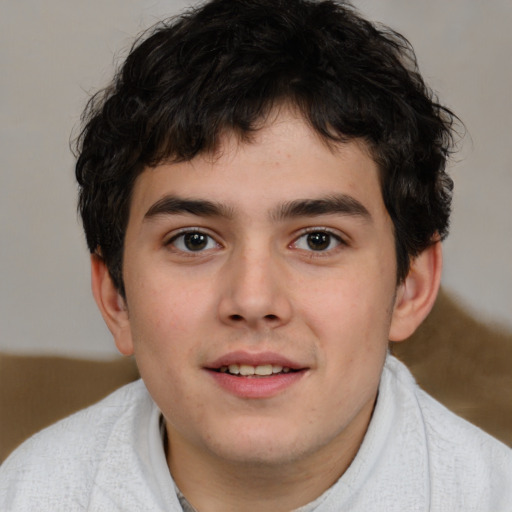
(191, 232)
(324, 231)
(209, 240)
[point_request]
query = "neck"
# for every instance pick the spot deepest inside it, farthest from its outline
(213, 484)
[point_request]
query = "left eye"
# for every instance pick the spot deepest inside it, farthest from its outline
(193, 241)
(319, 241)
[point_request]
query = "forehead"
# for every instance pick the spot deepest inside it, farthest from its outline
(283, 161)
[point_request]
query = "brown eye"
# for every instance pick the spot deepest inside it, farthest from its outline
(318, 241)
(193, 241)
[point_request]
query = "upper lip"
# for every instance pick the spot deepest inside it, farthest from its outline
(254, 359)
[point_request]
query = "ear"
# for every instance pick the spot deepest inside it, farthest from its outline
(111, 305)
(417, 294)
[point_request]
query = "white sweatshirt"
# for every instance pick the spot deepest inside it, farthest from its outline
(416, 456)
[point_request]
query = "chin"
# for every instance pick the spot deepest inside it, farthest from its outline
(256, 454)
(269, 445)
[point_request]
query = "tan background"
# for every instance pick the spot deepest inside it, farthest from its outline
(54, 53)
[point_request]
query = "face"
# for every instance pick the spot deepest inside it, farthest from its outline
(260, 285)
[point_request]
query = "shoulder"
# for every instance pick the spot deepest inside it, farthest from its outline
(66, 455)
(465, 459)
(465, 462)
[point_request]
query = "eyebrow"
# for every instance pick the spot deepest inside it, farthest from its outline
(331, 205)
(173, 205)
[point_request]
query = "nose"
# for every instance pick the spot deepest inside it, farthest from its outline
(254, 292)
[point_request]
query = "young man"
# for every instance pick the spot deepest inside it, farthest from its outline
(263, 192)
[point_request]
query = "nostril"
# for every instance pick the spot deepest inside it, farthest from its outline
(240, 318)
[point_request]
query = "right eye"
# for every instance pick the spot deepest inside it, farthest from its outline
(319, 240)
(193, 241)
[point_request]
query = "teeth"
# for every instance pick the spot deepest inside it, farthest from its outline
(234, 369)
(265, 369)
(247, 370)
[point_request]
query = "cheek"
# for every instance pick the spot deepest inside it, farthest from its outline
(166, 317)
(168, 300)
(350, 314)
(166, 327)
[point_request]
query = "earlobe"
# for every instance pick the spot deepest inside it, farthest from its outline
(111, 305)
(417, 294)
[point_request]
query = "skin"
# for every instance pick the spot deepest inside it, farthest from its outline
(270, 281)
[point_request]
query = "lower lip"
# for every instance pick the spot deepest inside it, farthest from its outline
(256, 387)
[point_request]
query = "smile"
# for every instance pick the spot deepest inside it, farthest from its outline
(246, 370)
(255, 375)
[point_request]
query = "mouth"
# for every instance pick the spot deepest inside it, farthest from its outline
(262, 370)
(256, 376)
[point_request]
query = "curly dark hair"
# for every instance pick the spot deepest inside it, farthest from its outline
(224, 66)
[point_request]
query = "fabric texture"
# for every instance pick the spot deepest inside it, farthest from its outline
(37, 391)
(416, 456)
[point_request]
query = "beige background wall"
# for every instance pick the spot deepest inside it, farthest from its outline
(54, 53)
